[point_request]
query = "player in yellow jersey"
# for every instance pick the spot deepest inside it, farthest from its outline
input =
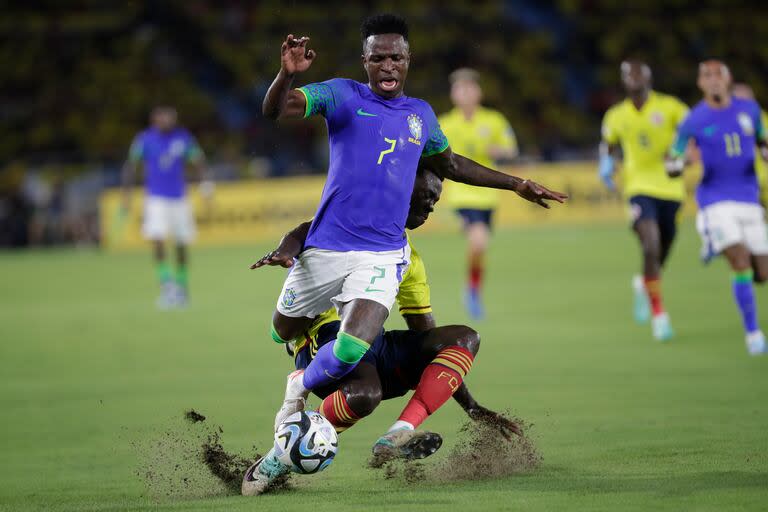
(744, 91)
(643, 126)
(483, 135)
(429, 359)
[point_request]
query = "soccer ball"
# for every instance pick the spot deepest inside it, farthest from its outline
(306, 442)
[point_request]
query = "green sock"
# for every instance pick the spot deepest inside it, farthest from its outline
(163, 272)
(181, 276)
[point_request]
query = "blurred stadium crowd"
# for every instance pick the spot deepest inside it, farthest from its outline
(78, 79)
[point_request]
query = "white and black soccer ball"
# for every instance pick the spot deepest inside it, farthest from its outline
(306, 442)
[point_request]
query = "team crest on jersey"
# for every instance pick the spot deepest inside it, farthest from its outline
(746, 123)
(289, 298)
(414, 125)
(657, 118)
(177, 148)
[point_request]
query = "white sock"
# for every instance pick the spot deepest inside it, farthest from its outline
(400, 425)
(638, 284)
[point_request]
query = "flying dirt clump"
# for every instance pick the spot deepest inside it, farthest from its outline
(187, 460)
(483, 451)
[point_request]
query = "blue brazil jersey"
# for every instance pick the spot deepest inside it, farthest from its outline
(164, 155)
(726, 138)
(375, 146)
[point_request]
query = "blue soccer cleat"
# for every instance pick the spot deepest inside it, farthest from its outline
(662, 327)
(404, 444)
(642, 307)
(473, 304)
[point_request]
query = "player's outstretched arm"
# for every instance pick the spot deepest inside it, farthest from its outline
(282, 101)
(479, 413)
(289, 248)
(607, 163)
(454, 167)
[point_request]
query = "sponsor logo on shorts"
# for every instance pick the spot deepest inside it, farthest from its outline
(636, 211)
(289, 298)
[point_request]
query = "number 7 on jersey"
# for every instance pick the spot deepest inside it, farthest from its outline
(392, 143)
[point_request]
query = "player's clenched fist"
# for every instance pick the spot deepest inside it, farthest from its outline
(295, 57)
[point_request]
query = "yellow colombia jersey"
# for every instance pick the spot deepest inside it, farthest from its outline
(761, 169)
(412, 297)
(472, 139)
(645, 136)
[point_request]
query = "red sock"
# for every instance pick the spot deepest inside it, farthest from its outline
(475, 275)
(440, 379)
(653, 289)
(336, 410)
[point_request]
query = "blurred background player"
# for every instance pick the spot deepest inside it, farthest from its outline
(744, 91)
(485, 136)
(643, 126)
(730, 221)
(166, 149)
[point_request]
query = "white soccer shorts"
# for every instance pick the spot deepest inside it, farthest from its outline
(167, 217)
(728, 223)
(322, 279)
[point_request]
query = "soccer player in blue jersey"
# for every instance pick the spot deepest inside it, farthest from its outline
(356, 251)
(425, 358)
(166, 149)
(731, 220)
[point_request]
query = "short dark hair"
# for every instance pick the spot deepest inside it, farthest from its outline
(384, 24)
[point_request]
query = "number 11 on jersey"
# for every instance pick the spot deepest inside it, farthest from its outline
(732, 144)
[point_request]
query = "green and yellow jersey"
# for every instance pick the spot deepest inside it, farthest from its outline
(413, 298)
(645, 136)
(473, 138)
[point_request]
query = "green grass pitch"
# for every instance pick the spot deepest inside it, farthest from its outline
(89, 368)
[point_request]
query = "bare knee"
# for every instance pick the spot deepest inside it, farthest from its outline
(289, 328)
(469, 339)
(760, 267)
(363, 319)
(478, 237)
(738, 257)
(364, 399)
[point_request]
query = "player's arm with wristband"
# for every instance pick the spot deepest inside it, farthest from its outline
(678, 156)
(282, 100)
(608, 150)
(607, 164)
